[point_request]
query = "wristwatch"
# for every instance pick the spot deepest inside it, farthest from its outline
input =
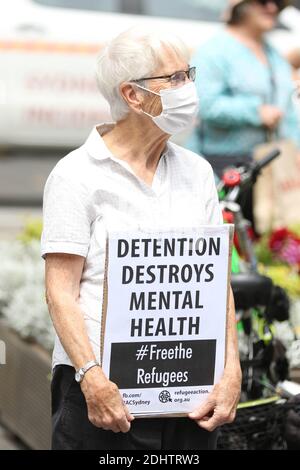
(80, 373)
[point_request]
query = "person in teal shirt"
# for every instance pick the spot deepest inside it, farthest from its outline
(245, 88)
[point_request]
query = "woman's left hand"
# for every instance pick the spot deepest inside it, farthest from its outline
(220, 406)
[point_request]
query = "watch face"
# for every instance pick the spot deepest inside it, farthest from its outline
(78, 377)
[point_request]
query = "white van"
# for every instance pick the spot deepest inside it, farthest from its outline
(48, 49)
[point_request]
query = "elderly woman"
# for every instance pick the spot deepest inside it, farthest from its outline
(127, 175)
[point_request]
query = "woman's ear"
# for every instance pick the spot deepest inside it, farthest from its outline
(129, 94)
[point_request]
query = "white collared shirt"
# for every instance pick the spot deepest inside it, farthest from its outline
(91, 192)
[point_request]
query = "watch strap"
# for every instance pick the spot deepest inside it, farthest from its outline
(83, 370)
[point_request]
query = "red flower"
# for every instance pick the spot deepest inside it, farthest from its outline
(286, 245)
(278, 237)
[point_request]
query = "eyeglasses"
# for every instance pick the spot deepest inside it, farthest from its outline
(176, 78)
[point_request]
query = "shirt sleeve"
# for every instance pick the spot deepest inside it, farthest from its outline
(66, 218)
(212, 207)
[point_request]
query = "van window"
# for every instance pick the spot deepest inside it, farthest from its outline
(205, 10)
(94, 5)
(184, 9)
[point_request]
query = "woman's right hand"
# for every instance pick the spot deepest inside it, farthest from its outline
(270, 115)
(104, 402)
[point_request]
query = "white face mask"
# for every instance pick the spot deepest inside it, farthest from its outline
(179, 108)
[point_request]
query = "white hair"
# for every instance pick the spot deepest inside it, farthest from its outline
(132, 55)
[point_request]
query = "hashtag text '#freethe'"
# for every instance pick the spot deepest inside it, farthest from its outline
(142, 352)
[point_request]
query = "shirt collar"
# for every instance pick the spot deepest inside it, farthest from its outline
(95, 145)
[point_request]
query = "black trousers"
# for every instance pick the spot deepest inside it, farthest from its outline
(71, 428)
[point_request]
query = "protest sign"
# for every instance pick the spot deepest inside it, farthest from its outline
(164, 317)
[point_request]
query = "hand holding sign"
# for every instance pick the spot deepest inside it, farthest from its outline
(105, 405)
(220, 406)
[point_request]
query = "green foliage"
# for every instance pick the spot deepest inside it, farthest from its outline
(284, 277)
(32, 231)
(264, 253)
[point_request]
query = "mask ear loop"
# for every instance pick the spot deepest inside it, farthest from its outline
(146, 89)
(150, 91)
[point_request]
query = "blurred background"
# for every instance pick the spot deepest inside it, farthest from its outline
(48, 104)
(48, 94)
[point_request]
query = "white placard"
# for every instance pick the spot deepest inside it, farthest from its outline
(165, 317)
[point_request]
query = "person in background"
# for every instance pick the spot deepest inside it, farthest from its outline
(245, 88)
